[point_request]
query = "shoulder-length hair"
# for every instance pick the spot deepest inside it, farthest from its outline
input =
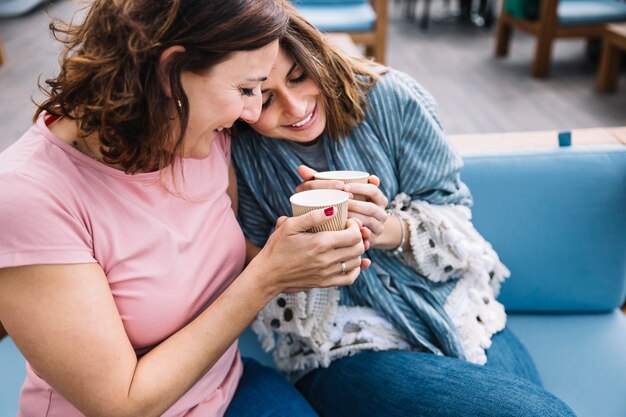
(110, 82)
(343, 81)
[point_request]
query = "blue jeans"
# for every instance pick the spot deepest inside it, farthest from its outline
(264, 392)
(413, 384)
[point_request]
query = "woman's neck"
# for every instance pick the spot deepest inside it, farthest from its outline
(67, 131)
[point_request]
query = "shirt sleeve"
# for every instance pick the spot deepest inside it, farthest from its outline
(39, 226)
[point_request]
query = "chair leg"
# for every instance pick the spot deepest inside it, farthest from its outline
(1, 52)
(486, 11)
(379, 53)
(425, 15)
(503, 37)
(409, 9)
(380, 41)
(608, 71)
(543, 53)
(546, 34)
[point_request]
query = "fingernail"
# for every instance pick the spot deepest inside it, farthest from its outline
(329, 211)
(339, 185)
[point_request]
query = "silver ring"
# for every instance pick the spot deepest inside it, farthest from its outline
(343, 268)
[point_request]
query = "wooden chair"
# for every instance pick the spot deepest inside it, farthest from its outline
(557, 20)
(613, 46)
(364, 20)
(375, 40)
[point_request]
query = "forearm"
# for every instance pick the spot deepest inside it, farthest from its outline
(93, 365)
(391, 237)
(172, 368)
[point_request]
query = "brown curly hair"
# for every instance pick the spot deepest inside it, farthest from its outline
(109, 80)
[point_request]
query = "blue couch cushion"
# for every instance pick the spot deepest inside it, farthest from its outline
(12, 374)
(580, 12)
(250, 347)
(557, 218)
(351, 16)
(581, 358)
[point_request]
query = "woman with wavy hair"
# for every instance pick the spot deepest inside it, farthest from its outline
(122, 275)
(420, 333)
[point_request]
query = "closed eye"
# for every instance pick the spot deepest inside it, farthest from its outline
(267, 102)
(299, 79)
(249, 92)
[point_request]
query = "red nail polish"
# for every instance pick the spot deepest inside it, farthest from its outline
(329, 211)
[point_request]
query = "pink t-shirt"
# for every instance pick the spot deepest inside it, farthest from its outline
(166, 257)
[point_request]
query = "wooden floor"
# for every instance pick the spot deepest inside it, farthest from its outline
(476, 93)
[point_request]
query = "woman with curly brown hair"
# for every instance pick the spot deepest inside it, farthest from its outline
(122, 275)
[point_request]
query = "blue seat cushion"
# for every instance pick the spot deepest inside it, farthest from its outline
(581, 12)
(348, 17)
(580, 358)
(12, 374)
(557, 218)
(251, 348)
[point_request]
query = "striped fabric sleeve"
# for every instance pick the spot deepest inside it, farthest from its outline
(427, 165)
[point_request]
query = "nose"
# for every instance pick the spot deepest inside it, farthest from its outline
(294, 105)
(252, 108)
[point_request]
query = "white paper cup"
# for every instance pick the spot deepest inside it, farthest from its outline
(306, 201)
(346, 177)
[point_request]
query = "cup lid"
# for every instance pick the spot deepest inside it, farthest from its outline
(319, 198)
(341, 175)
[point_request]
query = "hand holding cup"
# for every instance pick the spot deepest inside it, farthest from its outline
(369, 208)
(295, 259)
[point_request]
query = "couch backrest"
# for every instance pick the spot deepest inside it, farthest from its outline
(557, 218)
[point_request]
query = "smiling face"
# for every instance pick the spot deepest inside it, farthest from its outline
(217, 98)
(293, 107)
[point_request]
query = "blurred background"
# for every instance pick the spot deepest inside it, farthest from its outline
(447, 45)
(497, 68)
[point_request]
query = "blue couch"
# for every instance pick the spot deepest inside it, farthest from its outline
(558, 220)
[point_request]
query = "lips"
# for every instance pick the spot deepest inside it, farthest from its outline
(304, 123)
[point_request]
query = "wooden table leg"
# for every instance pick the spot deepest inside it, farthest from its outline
(1, 52)
(608, 71)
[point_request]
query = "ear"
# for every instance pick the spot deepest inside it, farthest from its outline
(164, 61)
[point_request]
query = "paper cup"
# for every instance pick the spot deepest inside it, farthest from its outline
(346, 177)
(306, 201)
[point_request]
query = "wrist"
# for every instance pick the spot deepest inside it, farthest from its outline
(391, 237)
(259, 279)
(399, 248)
